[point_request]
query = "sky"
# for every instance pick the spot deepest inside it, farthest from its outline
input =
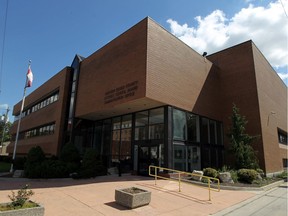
(51, 32)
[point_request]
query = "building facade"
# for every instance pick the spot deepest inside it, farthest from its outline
(148, 98)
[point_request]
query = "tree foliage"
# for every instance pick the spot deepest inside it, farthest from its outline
(241, 143)
(6, 126)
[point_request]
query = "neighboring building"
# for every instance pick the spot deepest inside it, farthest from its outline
(148, 98)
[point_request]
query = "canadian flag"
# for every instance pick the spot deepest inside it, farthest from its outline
(29, 77)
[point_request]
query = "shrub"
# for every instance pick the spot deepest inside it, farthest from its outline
(261, 172)
(70, 153)
(71, 156)
(22, 196)
(247, 175)
(283, 175)
(91, 165)
(54, 169)
(234, 175)
(210, 172)
(35, 157)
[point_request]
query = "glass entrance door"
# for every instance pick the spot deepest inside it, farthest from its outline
(147, 155)
(193, 158)
(186, 158)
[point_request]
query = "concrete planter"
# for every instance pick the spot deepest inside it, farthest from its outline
(132, 197)
(35, 211)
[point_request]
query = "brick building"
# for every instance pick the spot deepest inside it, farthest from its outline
(148, 98)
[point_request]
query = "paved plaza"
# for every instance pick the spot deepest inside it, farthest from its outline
(68, 197)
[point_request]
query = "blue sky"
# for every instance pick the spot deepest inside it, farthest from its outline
(50, 33)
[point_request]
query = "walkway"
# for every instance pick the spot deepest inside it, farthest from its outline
(271, 202)
(96, 196)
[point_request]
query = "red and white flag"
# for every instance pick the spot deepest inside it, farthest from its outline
(29, 77)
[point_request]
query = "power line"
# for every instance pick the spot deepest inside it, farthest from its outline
(284, 8)
(3, 45)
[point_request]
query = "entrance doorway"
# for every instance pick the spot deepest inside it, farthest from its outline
(186, 158)
(147, 155)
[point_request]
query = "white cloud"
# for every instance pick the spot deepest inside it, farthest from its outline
(283, 76)
(266, 26)
(4, 106)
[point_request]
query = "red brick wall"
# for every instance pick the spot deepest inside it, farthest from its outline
(238, 86)
(272, 94)
(116, 67)
(175, 73)
(54, 112)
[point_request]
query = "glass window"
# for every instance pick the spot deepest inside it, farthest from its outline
(156, 116)
(126, 121)
(115, 143)
(219, 134)
(156, 131)
(212, 129)
(141, 125)
(56, 96)
(161, 155)
(116, 123)
(73, 87)
(205, 130)
(156, 126)
(141, 119)
(179, 124)
(140, 133)
(282, 136)
(126, 142)
(193, 128)
(75, 74)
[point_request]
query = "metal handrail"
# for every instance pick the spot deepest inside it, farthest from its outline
(179, 179)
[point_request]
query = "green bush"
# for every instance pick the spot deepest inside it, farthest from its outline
(71, 156)
(283, 175)
(35, 157)
(19, 199)
(234, 175)
(210, 172)
(32, 170)
(70, 153)
(54, 169)
(91, 165)
(247, 175)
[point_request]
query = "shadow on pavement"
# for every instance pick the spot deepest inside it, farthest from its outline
(17, 183)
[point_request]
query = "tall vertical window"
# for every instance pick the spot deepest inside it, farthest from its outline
(193, 130)
(204, 130)
(156, 123)
(115, 148)
(125, 148)
(141, 125)
(213, 133)
(179, 125)
(219, 133)
(282, 136)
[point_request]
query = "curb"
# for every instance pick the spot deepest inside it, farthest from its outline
(264, 188)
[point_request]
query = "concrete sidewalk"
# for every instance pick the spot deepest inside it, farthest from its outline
(68, 197)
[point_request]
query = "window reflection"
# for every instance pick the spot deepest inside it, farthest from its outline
(156, 123)
(179, 125)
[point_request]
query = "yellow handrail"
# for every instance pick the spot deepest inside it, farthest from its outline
(182, 180)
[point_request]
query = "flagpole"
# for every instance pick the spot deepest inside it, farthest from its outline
(19, 122)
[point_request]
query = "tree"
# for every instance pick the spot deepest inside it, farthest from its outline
(241, 143)
(6, 126)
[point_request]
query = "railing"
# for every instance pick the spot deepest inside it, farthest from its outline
(154, 170)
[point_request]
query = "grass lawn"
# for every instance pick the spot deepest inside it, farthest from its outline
(4, 166)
